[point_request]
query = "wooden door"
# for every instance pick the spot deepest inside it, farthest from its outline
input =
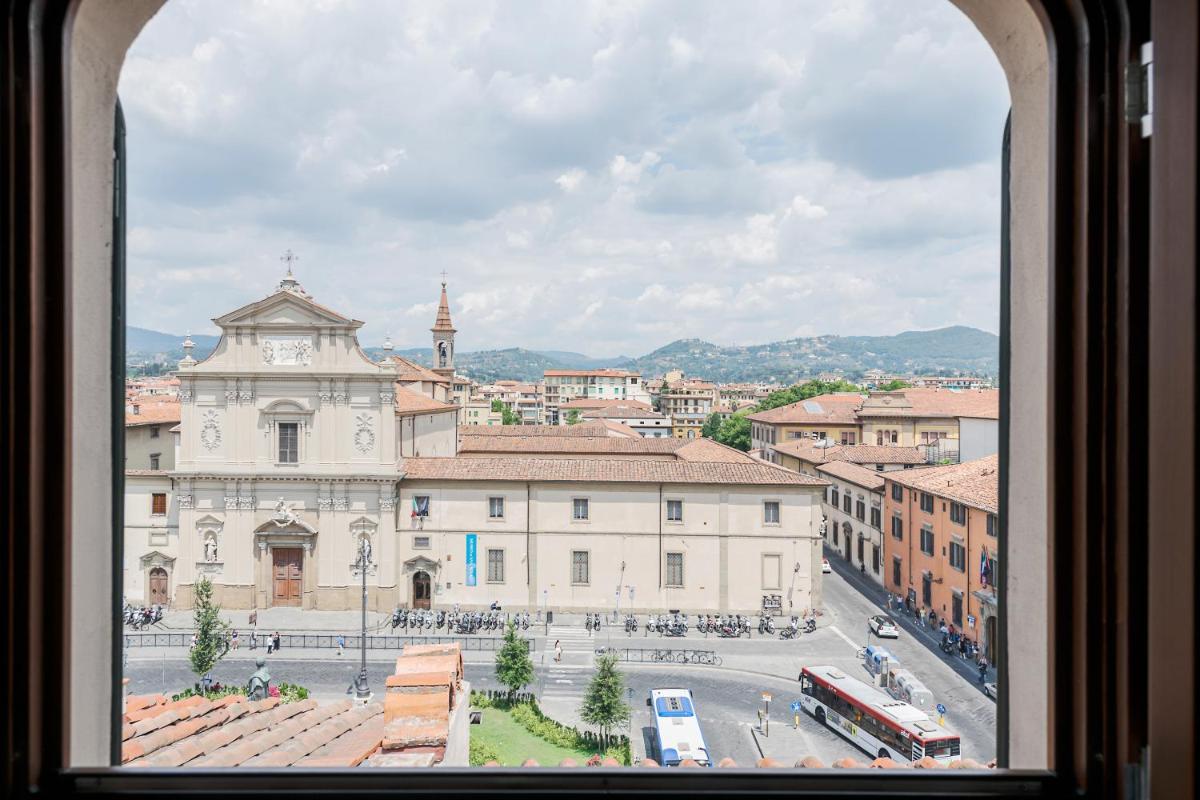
(421, 590)
(289, 574)
(158, 587)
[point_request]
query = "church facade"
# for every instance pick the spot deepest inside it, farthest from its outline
(294, 446)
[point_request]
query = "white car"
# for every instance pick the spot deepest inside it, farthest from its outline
(883, 627)
(991, 690)
(825, 566)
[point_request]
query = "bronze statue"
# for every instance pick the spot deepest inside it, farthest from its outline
(259, 686)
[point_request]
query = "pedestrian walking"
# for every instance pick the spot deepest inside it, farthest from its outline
(270, 645)
(557, 651)
(983, 665)
(193, 644)
(341, 642)
(253, 640)
(233, 638)
(278, 642)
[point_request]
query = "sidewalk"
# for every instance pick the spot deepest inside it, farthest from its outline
(931, 639)
(351, 655)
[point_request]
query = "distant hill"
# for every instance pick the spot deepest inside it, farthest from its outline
(956, 349)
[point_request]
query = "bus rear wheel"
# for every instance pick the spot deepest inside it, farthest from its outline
(821, 717)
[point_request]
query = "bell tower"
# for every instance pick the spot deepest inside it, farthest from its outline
(443, 338)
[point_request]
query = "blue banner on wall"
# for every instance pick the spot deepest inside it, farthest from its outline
(471, 559)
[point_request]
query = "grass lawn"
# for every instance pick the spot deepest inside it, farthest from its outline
(515, 744)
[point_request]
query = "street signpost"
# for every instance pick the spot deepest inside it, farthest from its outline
(796, 713)
(766, 698)
(941, 709)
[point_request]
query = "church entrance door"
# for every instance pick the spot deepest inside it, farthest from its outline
(421, 590)
(158, 587)
(288, 565)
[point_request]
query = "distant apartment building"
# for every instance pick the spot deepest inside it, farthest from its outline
(854, 515)
(829, 416)
(565, 385)
(905, 418)
(951, 382)
(575, 410)
(648, 424)
(151, 516)
(479, 412)
(462, 389)
(941, 544)
(688, 402)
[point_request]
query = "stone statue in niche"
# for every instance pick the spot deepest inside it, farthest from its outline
(210, 549)
(364, 547)
(259, 687)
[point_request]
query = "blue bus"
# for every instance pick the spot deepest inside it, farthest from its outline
(677, 728)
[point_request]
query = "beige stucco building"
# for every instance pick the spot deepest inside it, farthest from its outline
(294, 447)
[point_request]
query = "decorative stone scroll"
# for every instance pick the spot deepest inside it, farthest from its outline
(364, 433)
(210, 430)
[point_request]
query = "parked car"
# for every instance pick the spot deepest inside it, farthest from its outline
(992, 690)
(883, 627)
(825, 565)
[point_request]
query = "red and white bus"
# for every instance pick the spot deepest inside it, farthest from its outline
(871, 719)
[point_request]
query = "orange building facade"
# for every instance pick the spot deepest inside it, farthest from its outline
(941, 545)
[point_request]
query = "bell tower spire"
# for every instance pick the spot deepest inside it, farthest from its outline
(443, 338)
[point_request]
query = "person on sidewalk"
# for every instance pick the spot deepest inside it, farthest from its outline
(253, 640)
(557, 651)
(983, 666)
(233, 638)
(277, 640)
(341, 643)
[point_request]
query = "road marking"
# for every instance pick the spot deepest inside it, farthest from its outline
(845, 638)
(563, 680)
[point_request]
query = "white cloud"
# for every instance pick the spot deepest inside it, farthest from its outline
(570, 180)
(602, 177)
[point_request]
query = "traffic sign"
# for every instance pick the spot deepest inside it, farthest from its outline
(941, 709)
(766, 696)
(795, 706)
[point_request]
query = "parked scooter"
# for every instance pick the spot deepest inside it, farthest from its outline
(792, 630)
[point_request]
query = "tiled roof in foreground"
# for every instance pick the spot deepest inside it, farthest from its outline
(861, 476)
(602, 470)
(410, 402)
(236, 732)
(808, 450)
(570, 444)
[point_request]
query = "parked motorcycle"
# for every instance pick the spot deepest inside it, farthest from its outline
(792, 630)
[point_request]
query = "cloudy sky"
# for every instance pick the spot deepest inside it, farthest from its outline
(594, 176)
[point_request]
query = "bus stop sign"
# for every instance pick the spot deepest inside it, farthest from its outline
(941, 709)
(795, 706)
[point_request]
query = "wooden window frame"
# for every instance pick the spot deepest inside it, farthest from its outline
(1120, 279)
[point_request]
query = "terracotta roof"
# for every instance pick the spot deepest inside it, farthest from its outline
(570, 444)
(835, 409)
(861, 476)
(235, 732)
(638, 411)
(443, 314)
(592, 402)
(710, 451)
(409, 402)
(407, 370)
(807, 450)
(156, 412)
(922, 402)
(615, 428)
(601, 470)
(975, 483)
(582, 429)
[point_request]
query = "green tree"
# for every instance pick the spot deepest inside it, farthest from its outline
(211, 643)
(604, 702)
(735, 432)
(894, 386)
(711, 426)
(803, 391)
(497, 405)
(514, 667)
(509, 417)
(573, 416)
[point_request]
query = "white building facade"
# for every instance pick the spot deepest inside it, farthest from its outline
(853, 509)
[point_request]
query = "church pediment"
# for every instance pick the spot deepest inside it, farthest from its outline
(284, 309)
(421, 564)
(156, 558)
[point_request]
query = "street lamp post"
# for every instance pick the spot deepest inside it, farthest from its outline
(363, 565)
